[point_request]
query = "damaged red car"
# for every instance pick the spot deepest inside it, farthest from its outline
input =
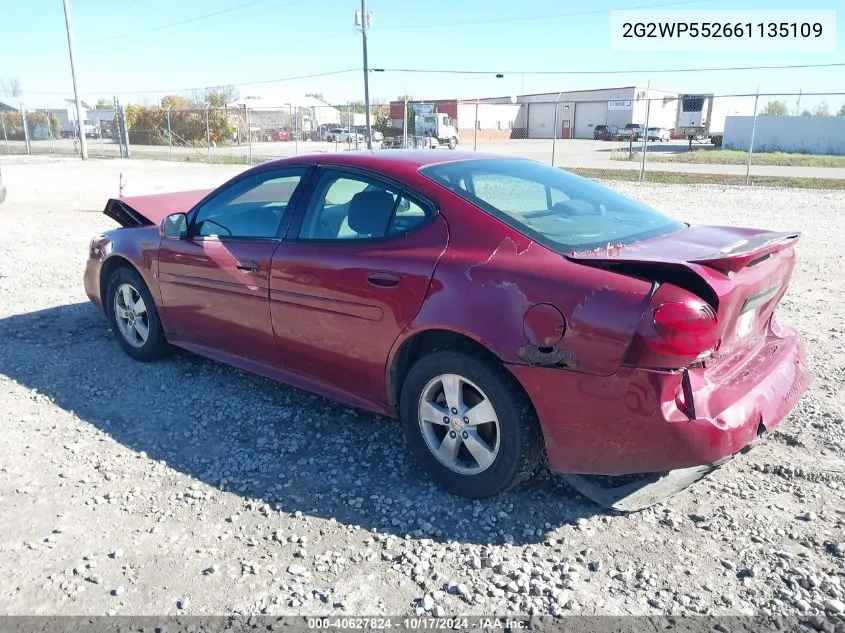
(502, 309)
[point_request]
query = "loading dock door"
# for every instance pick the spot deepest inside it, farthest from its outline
(541, 120)
(589, 114)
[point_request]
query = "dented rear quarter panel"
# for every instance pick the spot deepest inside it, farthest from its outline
(490, 275)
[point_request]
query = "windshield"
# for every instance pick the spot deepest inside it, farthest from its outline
(562, 211)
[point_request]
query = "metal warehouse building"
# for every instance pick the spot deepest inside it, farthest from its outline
(578, 112)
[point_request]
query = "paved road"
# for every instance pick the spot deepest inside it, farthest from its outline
(567, 153)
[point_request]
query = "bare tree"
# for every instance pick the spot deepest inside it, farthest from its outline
(821, 109)
(10, 86)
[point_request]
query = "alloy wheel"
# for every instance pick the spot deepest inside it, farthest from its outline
(459, 424)
(130, 313)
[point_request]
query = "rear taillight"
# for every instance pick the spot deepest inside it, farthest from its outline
(684, 328)
(676, 330)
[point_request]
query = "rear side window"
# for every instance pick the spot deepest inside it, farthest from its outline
(349, 206)
(562, 211)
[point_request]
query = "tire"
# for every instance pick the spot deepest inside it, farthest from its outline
(514, 437)
(126, 280)
(453, 143)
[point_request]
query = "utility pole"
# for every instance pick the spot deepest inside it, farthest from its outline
(80, 120)
(751, 141)
(364, 20)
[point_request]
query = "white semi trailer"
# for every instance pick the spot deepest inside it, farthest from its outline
(702, 116)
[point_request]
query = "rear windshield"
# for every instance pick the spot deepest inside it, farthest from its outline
(562, 211)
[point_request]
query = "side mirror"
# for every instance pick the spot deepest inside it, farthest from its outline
(174, 227)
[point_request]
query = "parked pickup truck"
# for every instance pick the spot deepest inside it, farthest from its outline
(632, 131)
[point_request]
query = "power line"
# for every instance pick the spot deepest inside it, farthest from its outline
(251, 14)
(459, 72)
(531, 18)
(195, 18)
(95, 93)
(440, 71)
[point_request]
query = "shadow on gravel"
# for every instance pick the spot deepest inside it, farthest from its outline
(261, 439)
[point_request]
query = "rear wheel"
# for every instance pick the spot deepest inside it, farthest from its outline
(133, 316)
(468, 425)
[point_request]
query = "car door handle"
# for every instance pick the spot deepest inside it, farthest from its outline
(383, 279)
(247, 266)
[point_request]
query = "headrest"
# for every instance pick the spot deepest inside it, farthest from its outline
(369, 212)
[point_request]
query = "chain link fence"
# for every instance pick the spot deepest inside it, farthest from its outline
(647, 135)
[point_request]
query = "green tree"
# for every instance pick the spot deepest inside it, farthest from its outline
(35, 119)
(357, 106)
(775, 108)
(841, 111)
(806, 113)
(381, 117)
(316, 95)
(219, 96)
(148, 125)
(13, 125)
(177, 102)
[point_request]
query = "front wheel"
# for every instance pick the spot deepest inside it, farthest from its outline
(468, 425)
(133, 316)
(453, 143)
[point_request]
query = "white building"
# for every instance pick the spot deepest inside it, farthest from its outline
(276, 111)
(578, 112)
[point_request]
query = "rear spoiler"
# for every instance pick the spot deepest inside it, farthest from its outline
(747, 252)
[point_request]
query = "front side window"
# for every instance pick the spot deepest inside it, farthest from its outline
(353, 207)
(250, 208)
(562, 211)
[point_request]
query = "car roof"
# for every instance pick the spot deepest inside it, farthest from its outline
(396, 160)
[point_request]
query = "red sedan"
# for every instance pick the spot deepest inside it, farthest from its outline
(499, 307)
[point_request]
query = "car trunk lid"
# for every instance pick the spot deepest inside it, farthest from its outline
(134, 211)
(741, 273)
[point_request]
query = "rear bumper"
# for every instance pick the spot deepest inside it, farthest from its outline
(636, 420)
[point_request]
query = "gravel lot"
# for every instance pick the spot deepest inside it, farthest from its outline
(185, 486)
